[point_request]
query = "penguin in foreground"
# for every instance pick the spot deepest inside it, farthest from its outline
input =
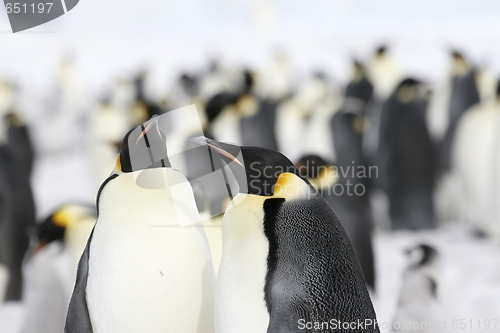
(287, 263)
(141, 271)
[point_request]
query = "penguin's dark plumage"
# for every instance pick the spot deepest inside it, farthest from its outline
(78, 318)
(352, 205)
(464, 94)
(406, 158)
(312, 272)
(217, 103)
(258, 130)
(16, 160)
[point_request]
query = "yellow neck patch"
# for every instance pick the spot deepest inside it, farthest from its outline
(290, 186)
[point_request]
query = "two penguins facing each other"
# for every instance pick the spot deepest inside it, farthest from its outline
(286, 259)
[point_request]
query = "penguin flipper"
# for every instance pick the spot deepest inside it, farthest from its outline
(78, 318)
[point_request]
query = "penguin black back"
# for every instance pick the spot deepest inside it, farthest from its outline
(327, 283)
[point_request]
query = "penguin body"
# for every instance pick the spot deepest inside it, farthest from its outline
(142, 271)
(152, 257)
(418, 300)
(464, 94)
(285, 255)
(48, 275)
(475, 160)
(47, 289)
(406, 158)
(16, 159)
(258, 130)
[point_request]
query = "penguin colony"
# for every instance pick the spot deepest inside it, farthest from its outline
(286, 240)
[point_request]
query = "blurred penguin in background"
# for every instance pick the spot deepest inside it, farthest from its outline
(464, 94)
(59, 127)
(16, 160)
(302, 120)
(353, 205)
(476, 161)
(405, 158)
(107, 124)
(453, 99)
(346, 187)
(257, 126)
(50, 267)
(384, 73)
(144, 106)
(418, 299)
(47, 279)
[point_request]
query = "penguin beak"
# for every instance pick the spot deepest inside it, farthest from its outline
(152, 122)
(217, 147)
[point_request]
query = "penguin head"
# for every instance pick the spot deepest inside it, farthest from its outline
(143, 147)
(217, 103)
(422, 255)
(317, 171)
(261, 171)
(411, 90)
(460, 65)
(358, 71)
(381, 51)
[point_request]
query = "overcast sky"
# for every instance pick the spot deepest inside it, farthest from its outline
(109, 36)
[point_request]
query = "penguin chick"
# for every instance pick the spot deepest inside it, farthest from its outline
(286, 259)
(141, 271)
(418, 300)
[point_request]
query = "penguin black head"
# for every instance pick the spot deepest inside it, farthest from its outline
(189, 83)
(411, 90)
(248, 81)
(381, 50)
(255, 168)
(310, 166)
(51, 229)
(143, 147)
(423, 255)
(217, 103)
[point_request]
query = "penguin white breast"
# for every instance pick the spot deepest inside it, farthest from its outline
(240, 305)
(146, 273)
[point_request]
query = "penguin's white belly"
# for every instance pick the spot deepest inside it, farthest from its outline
(239, 302)
(139, 281)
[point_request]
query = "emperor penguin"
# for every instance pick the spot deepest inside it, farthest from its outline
(18, 206)
(464, 94)
(47, 278)
(406, 157)
(50, 267)
(147, 265)
(287, 262)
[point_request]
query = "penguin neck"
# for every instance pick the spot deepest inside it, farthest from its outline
(145, 197)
